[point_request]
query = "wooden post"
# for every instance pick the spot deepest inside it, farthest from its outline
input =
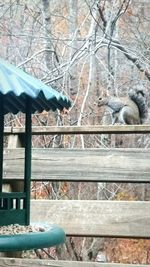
(13, 142)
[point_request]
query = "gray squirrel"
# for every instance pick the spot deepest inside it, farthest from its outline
(131, 109)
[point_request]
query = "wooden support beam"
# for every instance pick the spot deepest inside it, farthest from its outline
(109, 165)
(90, 129)
(14, 262)
(94, 217)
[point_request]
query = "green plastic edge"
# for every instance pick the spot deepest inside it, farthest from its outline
(35, 240)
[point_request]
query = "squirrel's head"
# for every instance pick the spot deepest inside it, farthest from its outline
(102, 101)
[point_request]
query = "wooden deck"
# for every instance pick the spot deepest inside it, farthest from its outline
(125, 219)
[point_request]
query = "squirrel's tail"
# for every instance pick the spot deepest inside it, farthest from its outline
(138, 96)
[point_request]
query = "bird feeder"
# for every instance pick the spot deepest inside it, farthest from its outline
(20, 92)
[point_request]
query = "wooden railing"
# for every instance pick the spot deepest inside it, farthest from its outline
(129, 219)
(91, 129)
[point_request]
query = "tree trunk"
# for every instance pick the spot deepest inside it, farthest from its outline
(47, 33)
(73, 34)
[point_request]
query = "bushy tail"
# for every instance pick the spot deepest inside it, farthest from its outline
(138, 96)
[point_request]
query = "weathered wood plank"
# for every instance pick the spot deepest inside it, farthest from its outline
(95, 218)
(14, 262)
(131, 165)
(90, 129)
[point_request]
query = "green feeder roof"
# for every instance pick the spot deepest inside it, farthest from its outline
(16, 84)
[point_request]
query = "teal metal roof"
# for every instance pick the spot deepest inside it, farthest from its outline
(15, 85)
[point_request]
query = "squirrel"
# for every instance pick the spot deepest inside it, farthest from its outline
(131, 109)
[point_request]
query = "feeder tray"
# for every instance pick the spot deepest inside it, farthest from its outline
(53, 236)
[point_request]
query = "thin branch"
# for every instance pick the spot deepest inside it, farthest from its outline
(34, 55)
(134, 59)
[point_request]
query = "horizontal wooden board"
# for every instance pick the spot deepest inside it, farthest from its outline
(90, 129)
(95, 218)
(14, 262)
(131, 165)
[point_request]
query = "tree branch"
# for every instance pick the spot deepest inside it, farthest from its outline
(134, 59)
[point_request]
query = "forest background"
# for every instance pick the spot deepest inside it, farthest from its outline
(85, 49)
